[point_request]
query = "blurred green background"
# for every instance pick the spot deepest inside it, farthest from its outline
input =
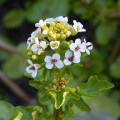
(101, 19)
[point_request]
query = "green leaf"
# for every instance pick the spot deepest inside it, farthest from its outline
(44, 97)
(93, 87)
(45, 8)
(68, 74)
(3, 54)
(59, 97)
(115, 68)
(72, 93)
(82, 105)
(5, 110)
(22, 48)
(28, 113)
(14, 66)
(14, 18)
(105, 31)
(38, 85)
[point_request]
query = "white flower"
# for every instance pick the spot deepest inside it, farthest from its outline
(77, 47)
(78, 26)
(54, 60)
(40, 24)
(61, 18)
(32, 69)
(29, 42)
(70, 58)
(89, 46)
(38, 46)
(37, 33)
(49, 20)
(54, 44)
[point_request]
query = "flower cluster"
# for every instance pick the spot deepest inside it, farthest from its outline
(47, 46)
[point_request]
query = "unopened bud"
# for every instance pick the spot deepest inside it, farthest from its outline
(52, 24)
(68, 33)
(44, 32)
(34, 57)
(53, 36)
(63, 36)
(73, 32)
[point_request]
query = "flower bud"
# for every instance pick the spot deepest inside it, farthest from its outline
(58, 25)
(52, 24)
(58, 35)
(44, 32)
(73, 32)
(67, 27)
(34, 57)
(63, 36)
(53, 36)
(68, 33)
(50, 28)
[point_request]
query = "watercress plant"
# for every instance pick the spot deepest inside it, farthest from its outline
(50, 56)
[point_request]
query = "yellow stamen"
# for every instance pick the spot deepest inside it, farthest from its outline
(78, 28)
(39, 46)
(54, 44)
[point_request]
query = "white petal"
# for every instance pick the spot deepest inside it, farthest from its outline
(91, 47)
(41, 23)
(77, 54)
(75, 27)
(88, 52)
(81, 26)
(67, 62)
(30, 62)
(56, 56)
(82, 30)
(82, 50)
(47, 59)
(68, 54)
(34, 73)
(78, 41)
(74, 21)
(44, 32)
(34, 48)
(53, 48)
(61, 18)
(35, 33)
(49, 20)
(76, 60)
(36, 41)
(49, 65)
(28, 69)
(82, 47)
(59, 64)
(43, 44)
(84, 41)
(73, 46)
(39, 51)
(29, 42)
(37, 25)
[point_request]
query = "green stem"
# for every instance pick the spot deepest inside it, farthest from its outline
(58, 114)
